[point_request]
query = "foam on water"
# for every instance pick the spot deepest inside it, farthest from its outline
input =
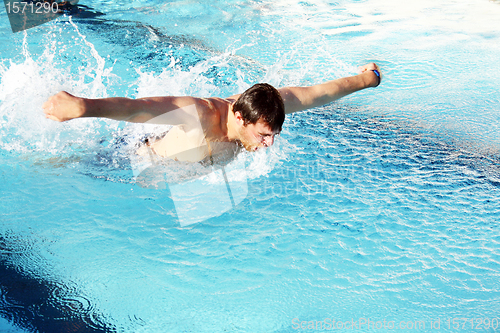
(28, 133)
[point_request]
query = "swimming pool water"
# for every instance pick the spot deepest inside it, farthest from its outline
(382, 206)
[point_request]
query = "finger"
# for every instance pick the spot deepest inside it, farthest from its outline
(366, 67)
(51, 117)
(48, 105)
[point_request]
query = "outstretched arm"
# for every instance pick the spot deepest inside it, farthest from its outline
(302, 98)
(64, 106)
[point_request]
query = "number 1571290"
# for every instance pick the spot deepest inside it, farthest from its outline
(36, 7)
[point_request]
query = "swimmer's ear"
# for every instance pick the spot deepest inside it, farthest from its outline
(239, 118)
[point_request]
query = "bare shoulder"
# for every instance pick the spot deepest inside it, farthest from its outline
(217, 104)
(214, 111)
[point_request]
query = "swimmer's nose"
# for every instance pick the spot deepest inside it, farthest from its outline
(268, 141)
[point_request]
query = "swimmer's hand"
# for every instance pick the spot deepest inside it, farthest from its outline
(368, 70)
(63, 106)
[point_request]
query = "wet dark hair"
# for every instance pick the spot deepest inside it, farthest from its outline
(261, 101)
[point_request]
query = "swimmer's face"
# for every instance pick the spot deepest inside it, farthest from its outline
(256, 136)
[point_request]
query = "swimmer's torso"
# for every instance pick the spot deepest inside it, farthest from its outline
(192, 146)
(180, 145)
(195, 143)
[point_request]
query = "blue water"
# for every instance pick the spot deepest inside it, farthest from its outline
(382, 206)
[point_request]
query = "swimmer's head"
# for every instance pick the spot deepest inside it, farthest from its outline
(261, 102)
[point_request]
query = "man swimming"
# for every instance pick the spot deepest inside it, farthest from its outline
(251, 119)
